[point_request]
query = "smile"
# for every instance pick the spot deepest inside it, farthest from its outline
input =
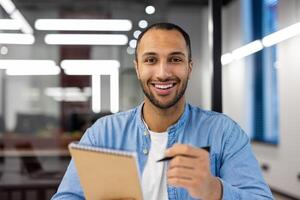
(164, 86)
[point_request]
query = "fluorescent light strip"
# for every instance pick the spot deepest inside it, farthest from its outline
(247, 49)
(33, 71)
(96, 93)
(29, 67)
(84, 24)
(9, 24)
(86, 39)
(114, 92)
(90, 67)
(226, 58)
(25, 27)
(281, 35)
(68, 94)
(8, 6)
(267, 41)
(16, 38)
(97, 68)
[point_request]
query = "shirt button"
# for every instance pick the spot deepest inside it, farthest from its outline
(145, 151)
(145, 133)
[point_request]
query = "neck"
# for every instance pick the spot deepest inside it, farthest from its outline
(157, 119)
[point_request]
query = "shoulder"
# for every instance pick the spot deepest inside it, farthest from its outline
(213, 117)
(120, 117)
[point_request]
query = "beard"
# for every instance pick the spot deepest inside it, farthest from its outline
(169, 104)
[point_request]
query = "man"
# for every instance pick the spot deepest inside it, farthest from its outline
(166, 125)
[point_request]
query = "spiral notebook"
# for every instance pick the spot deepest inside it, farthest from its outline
(106, 173)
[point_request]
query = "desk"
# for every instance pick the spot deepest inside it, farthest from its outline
(24, 186)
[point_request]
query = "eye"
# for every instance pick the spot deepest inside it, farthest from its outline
(150, 60)
(175, 60)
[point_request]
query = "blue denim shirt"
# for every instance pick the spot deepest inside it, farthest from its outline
(231, 156)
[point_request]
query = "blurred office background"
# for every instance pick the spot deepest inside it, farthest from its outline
(48, 100)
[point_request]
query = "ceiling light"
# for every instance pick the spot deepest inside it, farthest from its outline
(226, 58)
(68, 93)
(150, 10)
(9, 24)
(30, 71)
(8, 6)
(4, 50)
(130, 50)
(90, 67)
(143, 23)
(132, 43)
(281, 35)
(29, 67)
(16, 38)
(247, 49)
(136, 34)
(84, 24)
(96, 93)
(86, 39)
(25, 27)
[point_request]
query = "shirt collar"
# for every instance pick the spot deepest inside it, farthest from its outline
(183, 118)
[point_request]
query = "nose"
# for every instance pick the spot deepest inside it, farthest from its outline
(163, 71)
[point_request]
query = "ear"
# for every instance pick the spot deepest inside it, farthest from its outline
(136, 68)
(190, 68)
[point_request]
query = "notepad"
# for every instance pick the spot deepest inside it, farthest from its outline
(107, 174)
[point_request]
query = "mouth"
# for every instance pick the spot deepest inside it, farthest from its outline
(164, 88)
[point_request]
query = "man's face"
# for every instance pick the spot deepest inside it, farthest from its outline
(163, 67)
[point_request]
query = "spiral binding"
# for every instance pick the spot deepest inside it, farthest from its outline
(102, 150)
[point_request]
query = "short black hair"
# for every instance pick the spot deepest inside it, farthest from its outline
(166, 26)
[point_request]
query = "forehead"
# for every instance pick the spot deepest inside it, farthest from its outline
(162, 41)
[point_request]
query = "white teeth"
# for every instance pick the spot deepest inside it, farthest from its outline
(164, 86)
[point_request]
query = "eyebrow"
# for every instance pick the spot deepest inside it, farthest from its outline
(172, 54)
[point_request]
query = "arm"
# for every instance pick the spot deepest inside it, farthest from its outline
(69, 187)
(240, 176)
(239, 171)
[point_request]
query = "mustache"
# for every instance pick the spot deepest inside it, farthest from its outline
(165, 79)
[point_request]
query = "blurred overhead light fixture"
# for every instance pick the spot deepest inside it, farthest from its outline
(267, 41)
(96, 93)
(3, 50)
(8, 6)
(90, 67)
(71, 94)
(281, 35)
(130, 50)
(143, 23)
(247, 49)
(136, 34)
(226, 58)
(16, 38)
(97, 68)
(29, 67)
(25, 27)
(150, 10)
(86, 39)
(9, 24)
(132, 43)
(84, 24)
(15, 14)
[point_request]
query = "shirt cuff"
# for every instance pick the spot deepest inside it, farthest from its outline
(228, 191)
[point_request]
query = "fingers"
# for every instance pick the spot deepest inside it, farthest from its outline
(182, 161)
(183, 149)
(180, 173)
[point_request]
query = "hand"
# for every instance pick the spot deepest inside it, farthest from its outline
(190, 169)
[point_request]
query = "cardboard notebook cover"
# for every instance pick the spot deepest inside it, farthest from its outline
(107, 174)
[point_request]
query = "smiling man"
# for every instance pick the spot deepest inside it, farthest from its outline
(165, 125)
